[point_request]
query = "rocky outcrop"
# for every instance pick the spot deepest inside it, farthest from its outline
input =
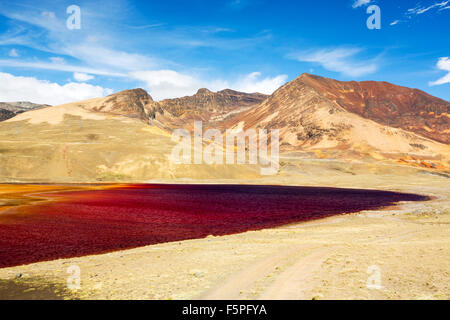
(212, 102)
(6, 114)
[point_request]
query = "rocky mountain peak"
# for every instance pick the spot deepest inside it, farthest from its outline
(134, 103)
(204, 92)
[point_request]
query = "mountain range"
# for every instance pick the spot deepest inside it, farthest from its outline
(127, 136)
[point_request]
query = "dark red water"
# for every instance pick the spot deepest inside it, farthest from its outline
(88, 222)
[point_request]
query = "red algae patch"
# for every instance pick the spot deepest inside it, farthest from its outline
(78, 223)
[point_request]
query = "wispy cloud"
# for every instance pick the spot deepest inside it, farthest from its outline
(342, 60)
(359, 3)
(46, 32)
(56, 66)
(103, 49)
(444, 65)
(145, 26)
(421, 9)
(188, 37)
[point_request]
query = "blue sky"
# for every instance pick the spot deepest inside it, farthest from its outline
(172, 48)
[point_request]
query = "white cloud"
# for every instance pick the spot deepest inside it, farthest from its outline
(339, 60)
(393, 23)
(443, 64)
(359, 3)
(13, 53)
(163, 84)
(421, 10)
(13, 88)
(82, 77)
(252, 83)
(110, 59)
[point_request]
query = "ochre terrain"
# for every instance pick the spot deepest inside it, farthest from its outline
(81, 146)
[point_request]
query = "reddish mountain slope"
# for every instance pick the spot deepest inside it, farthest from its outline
(388, 104)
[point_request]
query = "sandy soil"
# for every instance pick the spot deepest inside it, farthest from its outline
(332, 258)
